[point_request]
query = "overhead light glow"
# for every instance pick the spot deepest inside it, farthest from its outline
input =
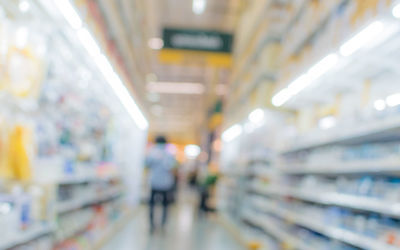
(155, 43)
(24, 6)
(298, 85)
(305, 80)
(69, 13)
(199, 6)
(176, 88)
(327, 122)
(88, 42)
(231, 133)
(21, 36)
(361, 39)
(192, 151)
(380, 105)
(323, 66)
(281, 97)
(256, 116)
(248, 127)
(121, 91)
(393, 100)
(103, 64)
(396, 11)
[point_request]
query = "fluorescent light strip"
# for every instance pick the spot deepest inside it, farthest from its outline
(393, 100)
(88, 42)
(362, 38)
(231, 133)
(323, 66)
(176, 88)
(112, 78)
(302, 82)
(69, 13)
(327, 63)
(256, 116)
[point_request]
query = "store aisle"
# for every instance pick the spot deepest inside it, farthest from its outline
(185, 230)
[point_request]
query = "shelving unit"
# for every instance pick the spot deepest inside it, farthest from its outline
(370, 204)
(382, 130)
(85, 179)
(343, 235)
(112, 230)
(28, 235)
(346, 171)
(74, 204)
(265, 222)
(341, 168)
(266, 38)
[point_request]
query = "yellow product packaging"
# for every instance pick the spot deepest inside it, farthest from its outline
(5, 170)
(18, 158)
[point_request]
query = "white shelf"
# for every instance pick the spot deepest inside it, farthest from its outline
(84, 179)
(343, 235)
(368, 131)
(266, 223)
(267, 172)
(70, 205)
(26, 236)
(333, 198)
(382, 166)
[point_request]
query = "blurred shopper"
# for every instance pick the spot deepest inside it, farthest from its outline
(160, 163)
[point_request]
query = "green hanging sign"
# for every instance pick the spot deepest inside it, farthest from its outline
(197, 40)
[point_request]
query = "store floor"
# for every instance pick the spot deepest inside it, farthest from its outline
(185, 231)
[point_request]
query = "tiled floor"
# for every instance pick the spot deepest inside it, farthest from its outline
(185, 231)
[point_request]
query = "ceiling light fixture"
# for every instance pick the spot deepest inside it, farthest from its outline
(256, 116)
(380, 105)
(21, 37)
(231, 133)
(199, 6)
(396, 11)
(24, 6)
(187, 88)
(362, 38)
(327, 122)
(103, 64)
(155, 43)
(393, 100)
(192, 151)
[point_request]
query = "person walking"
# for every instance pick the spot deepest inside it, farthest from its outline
(160, 163)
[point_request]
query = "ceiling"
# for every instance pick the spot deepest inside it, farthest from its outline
(181, 117)
(184, 116)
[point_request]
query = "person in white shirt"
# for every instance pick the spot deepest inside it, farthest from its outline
(160, 163)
